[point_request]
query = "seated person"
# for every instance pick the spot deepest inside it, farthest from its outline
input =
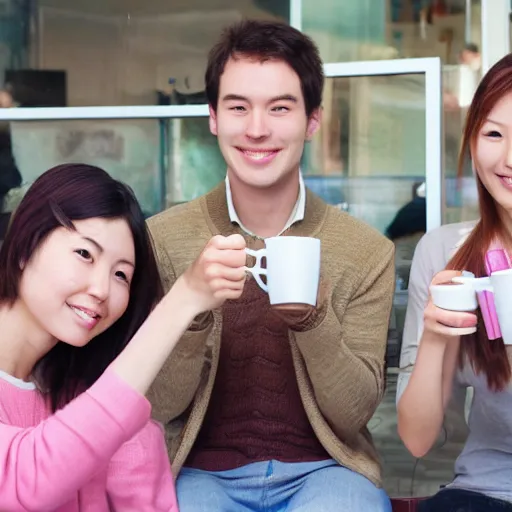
(80, 345)
(406, 229)
(447, 350)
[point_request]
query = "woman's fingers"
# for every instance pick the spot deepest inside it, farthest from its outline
(449, 323)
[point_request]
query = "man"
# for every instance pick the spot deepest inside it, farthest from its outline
(267, 409)
(470, 56)
(10, 176)
(470, 64)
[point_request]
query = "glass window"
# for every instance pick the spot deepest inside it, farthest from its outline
(348, 31)
(371, 147)
(129, 150)
(165, 161)
(196, 164)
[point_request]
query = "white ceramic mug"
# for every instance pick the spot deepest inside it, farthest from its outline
(460, 295)
(499, 284)
(454, 297)
(292, 271)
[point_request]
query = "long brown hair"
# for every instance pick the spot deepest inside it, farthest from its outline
(486, 356)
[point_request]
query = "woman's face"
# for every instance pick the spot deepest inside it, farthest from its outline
(77, 283)
(493, 153)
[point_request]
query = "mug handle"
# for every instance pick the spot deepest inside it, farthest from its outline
(479, 284)
(489, 314)
(257, 271)
(485, 296)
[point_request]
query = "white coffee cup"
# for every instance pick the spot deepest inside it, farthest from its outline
(292, 270)
(500, 285)
(454, 297)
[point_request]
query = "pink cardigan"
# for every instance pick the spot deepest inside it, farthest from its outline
(99, 453)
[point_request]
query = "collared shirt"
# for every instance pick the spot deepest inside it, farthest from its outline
(296, 215)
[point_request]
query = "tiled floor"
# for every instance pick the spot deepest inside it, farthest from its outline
(403, 474)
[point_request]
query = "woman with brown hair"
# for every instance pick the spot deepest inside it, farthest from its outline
(81, 341)
(446, 351)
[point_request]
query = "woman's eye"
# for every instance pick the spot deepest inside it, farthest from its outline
(121, 275)
(493, 134)
(84, 253)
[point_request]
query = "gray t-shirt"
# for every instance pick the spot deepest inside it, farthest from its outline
(485, 464)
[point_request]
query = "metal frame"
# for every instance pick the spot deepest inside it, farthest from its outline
(467, 21)
(296, 14)
(80, 113)
(431, 68)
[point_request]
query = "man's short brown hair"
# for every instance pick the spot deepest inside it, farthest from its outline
(262, 41)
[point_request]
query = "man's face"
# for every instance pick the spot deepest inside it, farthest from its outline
(261, 122)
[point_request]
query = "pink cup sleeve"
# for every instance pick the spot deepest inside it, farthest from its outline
(495, 260)
(488, 310)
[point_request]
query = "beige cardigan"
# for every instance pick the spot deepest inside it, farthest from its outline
(339, 363)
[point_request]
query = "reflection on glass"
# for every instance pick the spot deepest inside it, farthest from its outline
(349, 31)
(165, 161)
(129, 150)
(459, 85)
(195, 162)
(370, 151)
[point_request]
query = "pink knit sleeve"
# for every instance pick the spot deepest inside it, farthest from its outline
(139, 474)
(43, 466)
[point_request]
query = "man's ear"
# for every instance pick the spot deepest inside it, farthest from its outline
(212, 120)
(314, 123)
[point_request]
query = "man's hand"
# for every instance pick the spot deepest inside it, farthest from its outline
(302, 317)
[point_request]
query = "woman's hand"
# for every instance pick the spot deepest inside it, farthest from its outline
(441, 324)
(217, 274)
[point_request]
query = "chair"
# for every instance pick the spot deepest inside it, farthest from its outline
(405, 504)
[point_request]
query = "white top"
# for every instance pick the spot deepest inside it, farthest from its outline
(22, 384)
(296, 216)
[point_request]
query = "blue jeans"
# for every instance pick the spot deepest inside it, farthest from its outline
(278, 487)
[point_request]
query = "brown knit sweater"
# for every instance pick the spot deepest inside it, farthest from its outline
(338, 361)
(255, 412)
